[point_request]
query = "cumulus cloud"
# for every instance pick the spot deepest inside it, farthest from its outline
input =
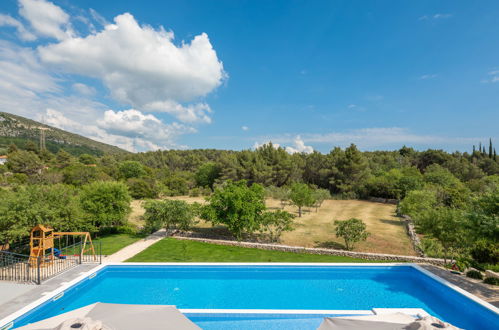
(244, 128)
(129, 129)
(46, 19)
(299, 147)
(133, 123)
(142, 67)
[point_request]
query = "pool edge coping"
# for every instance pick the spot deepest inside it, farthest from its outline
(6, 321)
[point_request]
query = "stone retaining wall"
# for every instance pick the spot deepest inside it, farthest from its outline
(383, 200)
(411, 231)
(322, 251)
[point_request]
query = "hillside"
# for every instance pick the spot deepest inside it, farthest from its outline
(19, 130)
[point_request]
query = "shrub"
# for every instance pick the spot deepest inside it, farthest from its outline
(484, 251)
(474, 274)
(491, 280)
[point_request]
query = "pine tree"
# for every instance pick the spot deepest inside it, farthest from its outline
(474, 149)
(495, 155)
(490, 148)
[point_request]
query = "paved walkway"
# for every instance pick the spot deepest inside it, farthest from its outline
(20, 295)
(489, 293)
(137, 247)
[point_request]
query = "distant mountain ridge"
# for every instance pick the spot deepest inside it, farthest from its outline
(19, 130)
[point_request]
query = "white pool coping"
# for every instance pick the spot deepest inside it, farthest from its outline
(7, 321)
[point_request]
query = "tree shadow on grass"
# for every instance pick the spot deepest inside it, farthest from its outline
(330, 245)
(392, 222)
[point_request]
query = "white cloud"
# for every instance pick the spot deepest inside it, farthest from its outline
(257, 145)
(435, 17)
(428, 76)
(22, 32)
(142, 67)
(370, 138)
(493, 77)
(299, 147)
(129, 129)
(46, 19)
(191, 113)
(245, 128)
(351, 106)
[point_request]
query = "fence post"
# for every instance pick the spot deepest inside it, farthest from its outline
(100, 252)
(80, 254)
(38, 271)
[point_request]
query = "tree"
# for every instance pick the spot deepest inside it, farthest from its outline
(141, 188)
(207, 174)
(418, 201)
(170, 214)
(352, 231)
(24, 162)
(30, 146)
(444, 224)
(319, 196)
(349, 171)
(274, 223)
(79, 174)
(237, 206)
(106, 203)
(301, 195)
(12, 148)
(63, 159)
(55, 206)
(131, 169)
(87, 159)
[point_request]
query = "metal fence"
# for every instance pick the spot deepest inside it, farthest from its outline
(24, 268)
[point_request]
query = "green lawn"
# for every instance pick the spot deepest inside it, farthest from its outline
(174, 250)
(115, 242)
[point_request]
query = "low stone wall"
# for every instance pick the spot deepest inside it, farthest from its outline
(322, 251)
(383, 200)
(490, 273)
(411, 231)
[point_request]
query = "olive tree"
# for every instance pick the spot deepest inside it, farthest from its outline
(170, 214)
(352, 231)
(237, 206)
(301, 195)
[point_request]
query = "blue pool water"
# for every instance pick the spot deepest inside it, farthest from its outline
(270, 287)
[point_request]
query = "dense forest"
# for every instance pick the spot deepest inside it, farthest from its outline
(453, 198)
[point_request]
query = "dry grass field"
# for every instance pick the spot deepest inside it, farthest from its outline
(316, 229)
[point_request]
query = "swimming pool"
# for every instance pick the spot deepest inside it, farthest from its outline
(284, 293)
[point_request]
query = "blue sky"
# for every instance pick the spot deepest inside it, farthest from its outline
(303, 74)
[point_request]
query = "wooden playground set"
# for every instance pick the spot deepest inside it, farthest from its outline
(50, 253)
(43, 250)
